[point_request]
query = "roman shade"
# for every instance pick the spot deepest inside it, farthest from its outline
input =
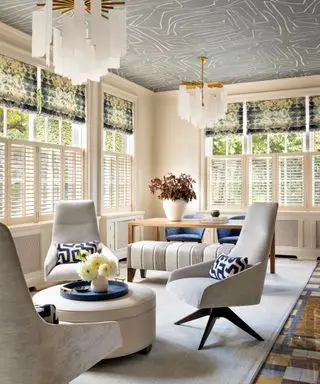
(273, 116)
(231, 124)
(314, 105)
(118, 114)
(59, 98)
(18, 84)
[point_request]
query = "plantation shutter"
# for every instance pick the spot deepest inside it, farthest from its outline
(291, 181)
(2, 179)
(22, 159)
(73, 175)
(316, 180)
(109, 181)
(260, 179)
(50, 179)
(124, 181)
(225, 187)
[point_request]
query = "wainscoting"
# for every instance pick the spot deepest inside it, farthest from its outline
(297, 234)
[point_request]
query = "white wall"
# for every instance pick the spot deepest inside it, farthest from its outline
(176, 146)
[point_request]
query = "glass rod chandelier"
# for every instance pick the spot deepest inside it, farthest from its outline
(202, 103)
(90, 37)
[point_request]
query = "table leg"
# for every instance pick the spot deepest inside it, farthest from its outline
(273, 255)
(130, 233)
(156, 234)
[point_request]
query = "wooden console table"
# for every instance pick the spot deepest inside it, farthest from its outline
(156, 223)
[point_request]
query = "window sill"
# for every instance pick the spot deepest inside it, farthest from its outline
(114, 215)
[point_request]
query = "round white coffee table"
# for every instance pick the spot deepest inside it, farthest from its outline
(135, 313)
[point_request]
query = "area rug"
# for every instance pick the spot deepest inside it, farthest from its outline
(230, 356)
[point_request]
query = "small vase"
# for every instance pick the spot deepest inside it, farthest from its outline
(100, 284)
(174, 209)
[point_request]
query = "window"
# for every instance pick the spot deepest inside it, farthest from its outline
(117, 171)
(279, 157)
(41, 162)
(117, 154)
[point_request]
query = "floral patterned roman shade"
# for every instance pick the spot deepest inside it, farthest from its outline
(118, 114)
(59, 98)
(272, 116)
(232, 124)
(18, 84)
(314, 107)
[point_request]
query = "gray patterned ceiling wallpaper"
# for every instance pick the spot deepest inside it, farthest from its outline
(245, 40)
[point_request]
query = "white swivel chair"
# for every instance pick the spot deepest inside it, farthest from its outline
(213, 298)
(74, 222)
(36, 352)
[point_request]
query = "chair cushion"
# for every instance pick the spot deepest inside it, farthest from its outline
(184, 237)
(48, 313)
(229, 240)
(67, 252)
(225, 266)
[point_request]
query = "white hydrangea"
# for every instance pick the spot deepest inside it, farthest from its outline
(87, 270)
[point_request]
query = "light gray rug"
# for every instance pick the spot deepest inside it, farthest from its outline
(230, 356)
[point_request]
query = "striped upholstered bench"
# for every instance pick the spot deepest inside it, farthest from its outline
(168, 256)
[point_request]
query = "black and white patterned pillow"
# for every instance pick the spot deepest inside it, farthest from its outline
(225, 266)
(67, 252)
(48, 313)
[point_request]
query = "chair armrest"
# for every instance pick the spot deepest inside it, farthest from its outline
(243, 288)
(81, 345)
(196, 270)
(50, 260)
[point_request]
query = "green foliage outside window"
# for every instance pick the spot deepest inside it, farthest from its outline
(234, 145)
(109, 140)
(17, 124)
(219, 145)
(317, 141)
(295, 142)
(277, 143)
(53, 131)
(119, 142)
(259, 144)
(66, 133)
(40, 128)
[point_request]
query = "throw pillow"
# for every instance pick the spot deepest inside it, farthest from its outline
(225, 266)
(48, 313)
(67, 252)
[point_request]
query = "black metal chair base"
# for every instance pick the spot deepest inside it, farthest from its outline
(214, 314)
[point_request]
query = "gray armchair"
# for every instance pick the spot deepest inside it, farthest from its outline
(74, 222)
(213, 298)
(36, 352)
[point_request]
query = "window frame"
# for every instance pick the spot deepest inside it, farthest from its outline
(38, 145)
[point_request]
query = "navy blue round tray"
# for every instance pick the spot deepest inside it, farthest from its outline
(80, 290)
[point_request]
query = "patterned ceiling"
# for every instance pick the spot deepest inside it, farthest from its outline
(245, 40)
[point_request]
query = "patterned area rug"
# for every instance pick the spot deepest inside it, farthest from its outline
(295, 357)
(230, 356)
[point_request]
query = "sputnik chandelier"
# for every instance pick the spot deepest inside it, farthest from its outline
(90, 38)
(202, 103)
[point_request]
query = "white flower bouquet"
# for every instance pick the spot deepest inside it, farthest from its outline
(93, 266)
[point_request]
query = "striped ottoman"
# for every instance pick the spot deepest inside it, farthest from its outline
(168, 256)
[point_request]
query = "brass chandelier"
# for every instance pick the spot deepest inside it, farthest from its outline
(202, 103)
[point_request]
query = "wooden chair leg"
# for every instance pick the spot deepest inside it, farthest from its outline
(193, 316)
(143, 273)
(130, 274)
